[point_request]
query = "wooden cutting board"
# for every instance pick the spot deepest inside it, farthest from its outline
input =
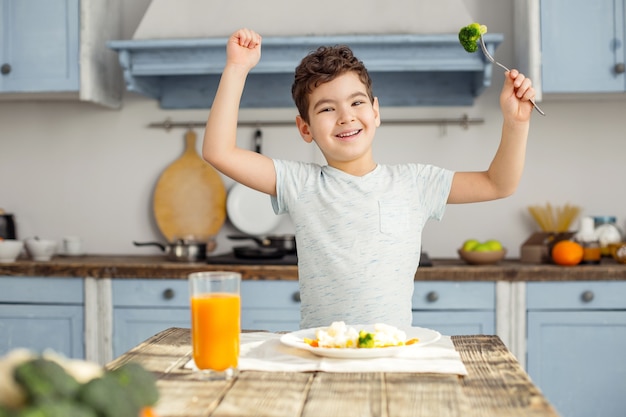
(190, 197)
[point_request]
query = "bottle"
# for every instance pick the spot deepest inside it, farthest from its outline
(588, 239)
(607, 232)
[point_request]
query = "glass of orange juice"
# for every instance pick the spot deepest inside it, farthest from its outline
(215, 322)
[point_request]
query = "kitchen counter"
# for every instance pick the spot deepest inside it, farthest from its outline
(123, 266)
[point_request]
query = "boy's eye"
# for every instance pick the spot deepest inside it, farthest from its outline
(326, 109)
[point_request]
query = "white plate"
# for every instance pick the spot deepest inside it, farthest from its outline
(296, 339)
(250, 210)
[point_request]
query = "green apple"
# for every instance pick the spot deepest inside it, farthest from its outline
(470, 244)
(482, 247)
(494, 245)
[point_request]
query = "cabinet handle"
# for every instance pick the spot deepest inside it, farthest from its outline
(5, 69)
(619, 68)
(432, 296)
(587, 296)
(296, 297)
(168, 294)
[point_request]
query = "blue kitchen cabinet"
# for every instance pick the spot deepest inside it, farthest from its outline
(57, 49)
(40, 45)
(455, 308)
(583, 44)
(144, 307)
(41, 313)
(270, 305)
(576, 344)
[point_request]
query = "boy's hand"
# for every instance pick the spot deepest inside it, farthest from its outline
(244, 48)
(515, 96)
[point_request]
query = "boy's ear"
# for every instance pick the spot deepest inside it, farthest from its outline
(303, 128)
(376, 108)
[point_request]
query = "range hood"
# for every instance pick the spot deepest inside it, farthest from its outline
(406, 70)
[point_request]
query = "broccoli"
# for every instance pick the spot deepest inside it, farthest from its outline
(469, 35)
(366, 339)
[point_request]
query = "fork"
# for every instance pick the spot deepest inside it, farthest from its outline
(493, 61)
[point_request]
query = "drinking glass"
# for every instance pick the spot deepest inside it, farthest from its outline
(215, 322)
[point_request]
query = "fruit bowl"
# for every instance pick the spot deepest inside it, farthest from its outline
(482, 257)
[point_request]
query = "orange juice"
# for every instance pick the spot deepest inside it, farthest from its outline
(215, 328)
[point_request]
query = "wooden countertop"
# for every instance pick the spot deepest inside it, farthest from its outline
(122, 266)
(495, 386)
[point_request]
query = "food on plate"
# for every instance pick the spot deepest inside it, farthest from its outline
(339, 335)
(470, 34)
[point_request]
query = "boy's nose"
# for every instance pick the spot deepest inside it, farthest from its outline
(346, 116)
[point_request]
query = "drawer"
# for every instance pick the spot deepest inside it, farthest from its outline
(41, 290)
(150, 292)
(438, 295)
(576, 295)
(270, 294)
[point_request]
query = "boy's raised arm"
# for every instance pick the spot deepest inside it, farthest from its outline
(505, 170)
(243, 52)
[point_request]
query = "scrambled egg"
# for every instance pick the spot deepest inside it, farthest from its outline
(339, 335)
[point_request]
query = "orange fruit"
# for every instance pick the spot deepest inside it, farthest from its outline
(567, 253)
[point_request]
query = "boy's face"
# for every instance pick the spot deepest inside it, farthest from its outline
(342, 121)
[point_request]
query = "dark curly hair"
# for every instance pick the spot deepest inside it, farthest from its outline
(321, 66)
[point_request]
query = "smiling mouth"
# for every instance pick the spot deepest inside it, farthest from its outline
(349, 135)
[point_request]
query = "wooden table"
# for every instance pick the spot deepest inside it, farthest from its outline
(495, 386)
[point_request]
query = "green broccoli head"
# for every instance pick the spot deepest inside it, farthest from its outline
(469, 35)
(366, 340)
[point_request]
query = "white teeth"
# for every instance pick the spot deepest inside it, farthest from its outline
(345, 135)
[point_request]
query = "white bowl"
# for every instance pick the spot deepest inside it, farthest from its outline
(10, 249)
(41, 249)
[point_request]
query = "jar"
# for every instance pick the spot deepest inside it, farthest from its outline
(607, 232)
(586, 237)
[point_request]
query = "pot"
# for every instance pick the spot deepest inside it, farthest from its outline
(183, 250)
(286, 243)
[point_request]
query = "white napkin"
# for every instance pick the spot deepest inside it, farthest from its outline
(263, 351)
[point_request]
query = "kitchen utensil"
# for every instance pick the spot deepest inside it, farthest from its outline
(7, 226)
(482, 258)
(493, 61)
(41, 250)
(249, 210)
(252, 252)
(182, 250)
(10, 249)
(190, 198)
(285, 242)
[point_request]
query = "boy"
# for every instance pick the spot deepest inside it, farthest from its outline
(357, 223)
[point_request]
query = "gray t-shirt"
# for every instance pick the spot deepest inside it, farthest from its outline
(359, 238)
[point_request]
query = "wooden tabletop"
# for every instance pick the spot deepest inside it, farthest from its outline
(495, 386)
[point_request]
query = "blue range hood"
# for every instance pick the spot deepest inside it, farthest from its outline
(407, 70)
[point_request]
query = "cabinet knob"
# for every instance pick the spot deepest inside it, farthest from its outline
(168, 294)
(296, 297)
(587, 296)
(619, 68)
(432, 296)
(5, 69)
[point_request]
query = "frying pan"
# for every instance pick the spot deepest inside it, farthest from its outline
(258, 252)
(249, 210)
(285, 242)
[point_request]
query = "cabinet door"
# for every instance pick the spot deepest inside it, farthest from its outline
(456, 322)
(581, 43)
(132, 326)
(270, 305)
(576, 359)
(39, 45)
(40, 327)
